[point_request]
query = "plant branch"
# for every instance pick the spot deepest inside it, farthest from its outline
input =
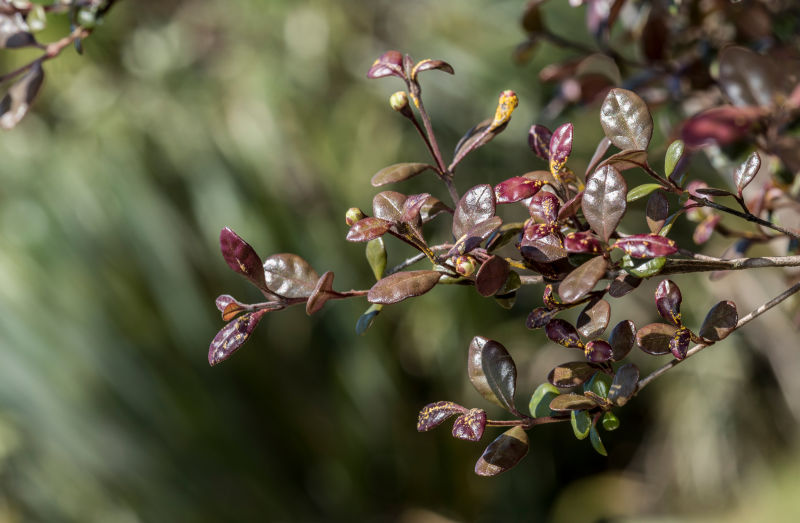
(697, 348)
(50, 51)
(745, 216)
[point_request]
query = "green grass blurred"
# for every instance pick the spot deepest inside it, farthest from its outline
(185, 117)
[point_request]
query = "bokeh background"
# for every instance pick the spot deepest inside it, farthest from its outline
(187, 116)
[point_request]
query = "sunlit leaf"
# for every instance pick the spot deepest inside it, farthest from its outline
(668, 301)
(562, 332)
(593, 319)
(503, 453)
(398, 172)
(640, 191)
(626, 120)
(745, 173)
(470, 426)
(560, 147)
(566, 402)
(388, 205)
(624, 160)
(604, 201)
(571, 374)
(539, 140)
(679, 344)
(389, 63)
(656, 212)
(539, 405)
(624, 385)
(401, 285)
(673, 156)
(321, 293)
(289, 275)
(544, 206)
(376, 257)
(570, 207)
(720, 321)
(646, 245)
(476, 205)
(516, 189)
(434, 414)
(429, 65)
(241, 257)
(367, 229)
(582, 242)
(582, 280)
(647, 269)
(655, 337)
(492, 372)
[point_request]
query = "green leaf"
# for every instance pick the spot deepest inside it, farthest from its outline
(581, 423)
(597, 443)
(376, 256)
(673, 156)
(649, 268)
(599, 384)
(610, 421)
(640, 191)
(540, 401)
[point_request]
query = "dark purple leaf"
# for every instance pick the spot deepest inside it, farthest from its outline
(668, 302)
(428, 64)
(503, 453)
(621, 339)
(626, 120)
(470, 426)
(655, 338)
(398, 172)
(624, 385)
(563, 333)
(321, 293)
(290, 276)
(646, 245)
(721, 125)
(657, 211)
(539, 140)
(567, 402)
(401, 285)
(475, 236)
(623, 284)
(624, 160)
(492, 372)
(560, 147)
(476, 206)
(232, 336)
(582, 242)
(745, 173)
(389, 63)
(540, 244)
(720, 321)
(549, 298)
(412, 207)
(604, 201)
(491, 276)
(711, 191)
(388, 205)
(598, 351)
(570, 207)
(368, 229)
(434, 414)
(516, 189)
(679, 344)
(572, 374)
(476, 137)
(593, 319)
(582, 280)
(544, 206)
(241, 257)
(540, 317)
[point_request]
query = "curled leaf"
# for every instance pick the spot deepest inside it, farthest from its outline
(428, 65)
(434, 414)
(544, 206)
(321, 293)
(593, 319)
(679, 344)
(389, 63)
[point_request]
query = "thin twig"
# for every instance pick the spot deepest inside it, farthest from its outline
(745, 216)
(697, 348)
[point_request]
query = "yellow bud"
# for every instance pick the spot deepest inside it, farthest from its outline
(399, 101)
(465, 265)
(353, 215)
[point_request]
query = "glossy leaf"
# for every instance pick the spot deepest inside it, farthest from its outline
(626, 120)
(571, 374)
(623, 284)
(539, 405)
(649, 268)
(241, 257)
(656, 212)
(679, 344)
(563, 333)
(412, 207)
(365, 320)
(389, 63)
(492, 372)
(229, 306)
(604, 201)
(476, 137)
(429, 65)
(434, 414)
(646, 245)
(290, 276)
(748, 78)
(610, 421)
(516, 189)
(597, 443)
(402, 285)
(544, 206)
(655, 337)
(475, 236)
(624, 160)
(491, 276)
(432, 208)
(668, 301)
(503, 453)
(541, 245)
(506, 104)
(640, 191)
(570, 207)
(621, 339)
(398, 172)
(624, 385)
(539, 138)
(704, 230)
(598, 385)
(560, 147)
(232, 336)
(745, 173)
(582, 280)
(388, 205)
(367, 229)
(470, 426)
(321, 293)
(720, 321)
(598, 351)
(581, 422)
(540, 317)
(673, 156)
(376, 257)
(593, 319)
(582, 242)
(476, 205)
(571, 401)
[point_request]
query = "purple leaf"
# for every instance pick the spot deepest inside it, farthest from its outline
(492, 372)
(428, 64)
(668, 302)
(476, 205)
(434, 414)
(626, 120)
(368, 229)
(679, 344)
(389, 63)
(593, 319)
(412, 207)
(598, 351)
(721, 125)
(646, 245)
(745, 173)
(539, 140)
(503, 453)
(516, 189)
(544, 206)
(398, 172)
(321, 293)
(232, 336)
(229, 306)
(582, 280)
(720, 321)
(563, 333)
(655, 338)
(560, 147)
(241, 257)
(491, 276)
(402, 285)
(470, 426)
(290, 276)
(582, 242)
(604, 200)
(621, 339)
(540, 317)
(388, 205)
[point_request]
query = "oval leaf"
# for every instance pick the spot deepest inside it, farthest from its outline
(399, 286)
(321, 294)
(539, 138)
(563, 333)
(470, 426)
(376, 257)
(566, 402)
(581, 423)
(597, 443)
(367, 229)
(492, 372)
(745, 173)
(673, 156)
(624, 385)
(491, 276)
(398, 172)
(476, 206)
(571, 374)
(640, 191)
(720, 321)
(232, 336)
(593, 319)
(668, 301)
(656, 212)
(503, 453)
(626, 120)
(560, 147)
(241, 257)
(623, 284)
(598, 351)
(604, 201)
(646, 245)
(516, 189)
(621, 339)
(582, 280)
(434, 414)
(388, 205)
(290, 276)
(655, 337)
(679, 344)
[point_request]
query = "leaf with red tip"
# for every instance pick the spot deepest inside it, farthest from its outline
(434, 414)
(544, 206)
(241, 257)
(367, 229)
(626, 120)
(470, 426)
(679, 344)
(563, 333)
(503, 453)
(389, 63)
(668, 301)
(290, 276)
(582, 280)
(655, 338)
(401, 285)
(539, 138)
(604, 201)
(491, 276)
(232, 336)
(476, 205)
(745, 173)
(516, 189)
(720, 321)
(646, 245)
(560, 147)
(492, 372)
(398, 172)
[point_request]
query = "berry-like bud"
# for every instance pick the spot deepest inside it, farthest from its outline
(399, 101)
(353, 215)
(465, 265)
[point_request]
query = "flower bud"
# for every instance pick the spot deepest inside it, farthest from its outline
(399, 101)
(353, 215)
(465, 265)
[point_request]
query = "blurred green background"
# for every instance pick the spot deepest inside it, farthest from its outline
(187, 116)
